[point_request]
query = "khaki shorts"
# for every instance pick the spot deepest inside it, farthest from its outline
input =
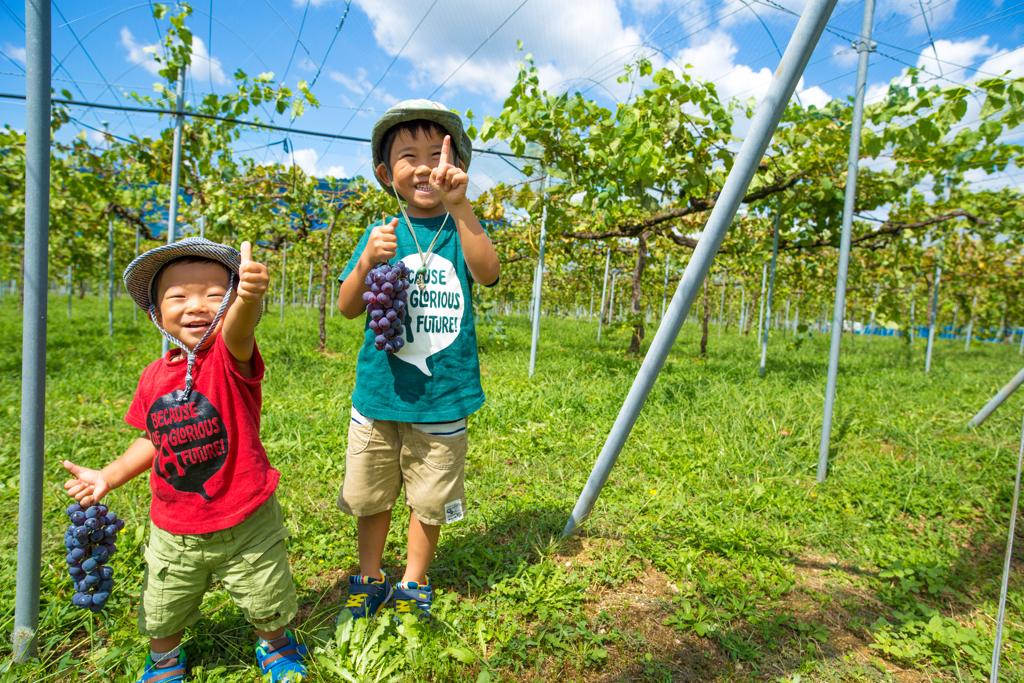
(384, 455)
(250, 559)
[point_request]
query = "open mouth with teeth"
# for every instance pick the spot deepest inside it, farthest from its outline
(423, 187)
(197, 326)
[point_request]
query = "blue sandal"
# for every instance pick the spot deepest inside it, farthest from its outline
(173, 674)
(286, 663)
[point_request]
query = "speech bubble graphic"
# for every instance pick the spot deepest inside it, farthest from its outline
(434, 317)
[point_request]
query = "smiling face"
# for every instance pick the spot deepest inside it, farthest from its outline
(188, 296)
(414, 154)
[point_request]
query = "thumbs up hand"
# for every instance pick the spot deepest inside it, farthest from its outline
(253, 277)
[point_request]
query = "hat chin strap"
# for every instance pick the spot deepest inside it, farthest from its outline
(191, 355)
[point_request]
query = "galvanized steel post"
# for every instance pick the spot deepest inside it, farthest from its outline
(771, 287)
(540, 275)
(1001, 615)
(760, 317)
(110, 275)
(604, 290)
(33, 339)
(762, 127)
(172, 214)
(863, 48)
(970, 325)
(935, 314)
(998, 399)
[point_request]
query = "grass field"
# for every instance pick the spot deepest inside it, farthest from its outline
(712, 554)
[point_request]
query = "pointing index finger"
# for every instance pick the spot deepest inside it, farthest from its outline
(444, 151)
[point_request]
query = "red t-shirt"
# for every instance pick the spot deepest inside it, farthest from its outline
(210, 471)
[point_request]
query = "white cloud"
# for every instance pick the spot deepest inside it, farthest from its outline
(14, 52)
(357, 83)
(574, 40)
(714, 61)
(308, 161)
(203, 65)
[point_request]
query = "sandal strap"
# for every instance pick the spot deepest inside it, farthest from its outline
(167, 674)
(290, 653)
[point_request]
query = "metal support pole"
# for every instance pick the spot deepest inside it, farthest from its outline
(604, 290)
(874, 308)
(863, 48)
(1001, 616)
(611, 301)
(760, 317)
(970, 324)
(202, 227)
(743, 311)
(135, 309)
(110, 273)
(935, 314)
(721, 308)
(762, 127)
(998, 399)
(1020, 351)
(540, 275)
(771, 287)
(33, 339)
(284, 276)
(172, 214)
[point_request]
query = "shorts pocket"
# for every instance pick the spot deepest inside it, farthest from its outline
(358, 437)
(441, 452)
(155, 565)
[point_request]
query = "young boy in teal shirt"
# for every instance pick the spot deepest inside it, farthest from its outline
(409, 408)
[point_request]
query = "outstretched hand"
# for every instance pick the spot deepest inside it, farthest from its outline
(253, 277)
(88, 487)
(451, 181)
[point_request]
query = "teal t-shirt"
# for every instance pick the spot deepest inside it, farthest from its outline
(435, 377)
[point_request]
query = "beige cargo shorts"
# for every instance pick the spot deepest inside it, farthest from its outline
(250, 559)
(427, 459)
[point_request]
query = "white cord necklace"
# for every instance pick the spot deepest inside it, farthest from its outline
(421, 272)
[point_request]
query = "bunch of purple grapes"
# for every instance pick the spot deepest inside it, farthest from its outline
(385, 302)
(90, 543)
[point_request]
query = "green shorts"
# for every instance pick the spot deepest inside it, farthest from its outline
(250, 559)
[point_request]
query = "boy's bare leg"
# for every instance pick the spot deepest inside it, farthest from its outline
(373, 534)
(422, 544)
(166, 644)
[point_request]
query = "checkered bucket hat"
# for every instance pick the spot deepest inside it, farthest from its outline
(139, 275)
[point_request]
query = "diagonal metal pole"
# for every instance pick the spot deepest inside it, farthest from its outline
(172, 214)
(604, 290)
(771, 287)
(998, 399)
(864, 49)
(540, 275)
(1001, 616)
(33, 340)
(762, 127)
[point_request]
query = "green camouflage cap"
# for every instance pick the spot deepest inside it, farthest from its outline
(411, 110)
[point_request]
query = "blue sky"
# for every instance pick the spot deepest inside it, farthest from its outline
(464, 54)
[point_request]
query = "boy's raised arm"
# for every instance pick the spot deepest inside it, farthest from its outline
(452, 182)
(243, 313)
(89, 486)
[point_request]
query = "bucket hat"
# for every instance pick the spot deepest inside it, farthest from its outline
(412, 110)
(139, 275)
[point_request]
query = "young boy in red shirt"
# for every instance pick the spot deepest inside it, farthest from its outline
(214, 513)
